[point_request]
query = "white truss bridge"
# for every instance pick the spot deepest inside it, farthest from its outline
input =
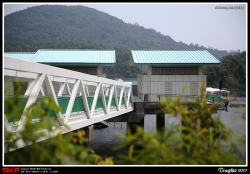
(85, 99)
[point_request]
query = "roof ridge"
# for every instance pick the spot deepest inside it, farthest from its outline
(19, 52)
(168, 50)
(174, 57)
(73, 50)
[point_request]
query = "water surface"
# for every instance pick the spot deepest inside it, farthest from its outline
(107, 138)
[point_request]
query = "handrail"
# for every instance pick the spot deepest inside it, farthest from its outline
(108, 94)
(169, 97)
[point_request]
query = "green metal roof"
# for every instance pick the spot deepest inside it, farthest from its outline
(27, 56)
(173, 58)
(75, 57)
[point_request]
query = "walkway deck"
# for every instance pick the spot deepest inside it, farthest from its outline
(110, 98)
(137, 99)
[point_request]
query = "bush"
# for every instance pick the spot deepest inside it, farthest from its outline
(57, 149)
(200, 140)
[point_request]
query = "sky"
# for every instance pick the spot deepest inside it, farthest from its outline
(222, 26)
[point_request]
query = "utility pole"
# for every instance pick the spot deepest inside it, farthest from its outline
(220, 86)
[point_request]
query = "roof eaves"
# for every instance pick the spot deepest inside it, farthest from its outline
(76, 64)
(176, 64)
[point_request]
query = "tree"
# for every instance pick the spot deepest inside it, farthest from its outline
(200, 140)
(58, 149)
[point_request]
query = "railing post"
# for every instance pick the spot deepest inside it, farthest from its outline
(71, 101)
(95, 100)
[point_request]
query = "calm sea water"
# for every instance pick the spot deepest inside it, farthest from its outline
(107, 138)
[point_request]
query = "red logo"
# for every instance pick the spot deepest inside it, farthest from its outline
(10, 170)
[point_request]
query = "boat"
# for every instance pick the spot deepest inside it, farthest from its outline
(215, 95)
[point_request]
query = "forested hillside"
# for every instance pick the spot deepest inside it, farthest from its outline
(232, 72)
(78, 27)
(59, 23)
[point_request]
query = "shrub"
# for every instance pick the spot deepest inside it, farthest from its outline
(57, 149)
(201, 139)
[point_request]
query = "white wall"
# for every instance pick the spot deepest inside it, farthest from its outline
(9, 87)
(155, 84)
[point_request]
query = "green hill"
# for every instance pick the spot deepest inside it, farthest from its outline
(232, 72)
(59, 23)
(79, 27)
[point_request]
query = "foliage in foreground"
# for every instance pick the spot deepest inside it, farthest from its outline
(200, 140)
(59, 149)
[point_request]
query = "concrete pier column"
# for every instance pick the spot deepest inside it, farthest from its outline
(9, 85)
(132, 125)
(160, 121)
(89, 132)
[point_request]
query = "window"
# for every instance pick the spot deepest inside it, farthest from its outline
(168, 87)
(175, 70)
(194, 88)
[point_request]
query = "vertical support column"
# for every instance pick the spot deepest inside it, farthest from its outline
(9, 88)
(132, 125)
(61, 89)
(160, 122)
(99, 70)
(89, 132)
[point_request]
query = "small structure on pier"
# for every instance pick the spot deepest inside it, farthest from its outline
(167, 72)
(80, 60)
(215, 95)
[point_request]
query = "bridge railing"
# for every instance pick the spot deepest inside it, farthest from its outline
(109, 98)
(154, 97)
(183, 98)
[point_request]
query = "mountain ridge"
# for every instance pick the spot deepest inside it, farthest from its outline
(79, 27)
(61, 23)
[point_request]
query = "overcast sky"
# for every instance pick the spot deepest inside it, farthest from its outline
(208, 24)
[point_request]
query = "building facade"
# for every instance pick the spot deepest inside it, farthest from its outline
(80, 60)
(170, 73)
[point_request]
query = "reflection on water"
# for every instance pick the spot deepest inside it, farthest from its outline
(107, 138)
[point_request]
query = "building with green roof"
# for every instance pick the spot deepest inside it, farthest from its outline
(167, 72)
(81, 60)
